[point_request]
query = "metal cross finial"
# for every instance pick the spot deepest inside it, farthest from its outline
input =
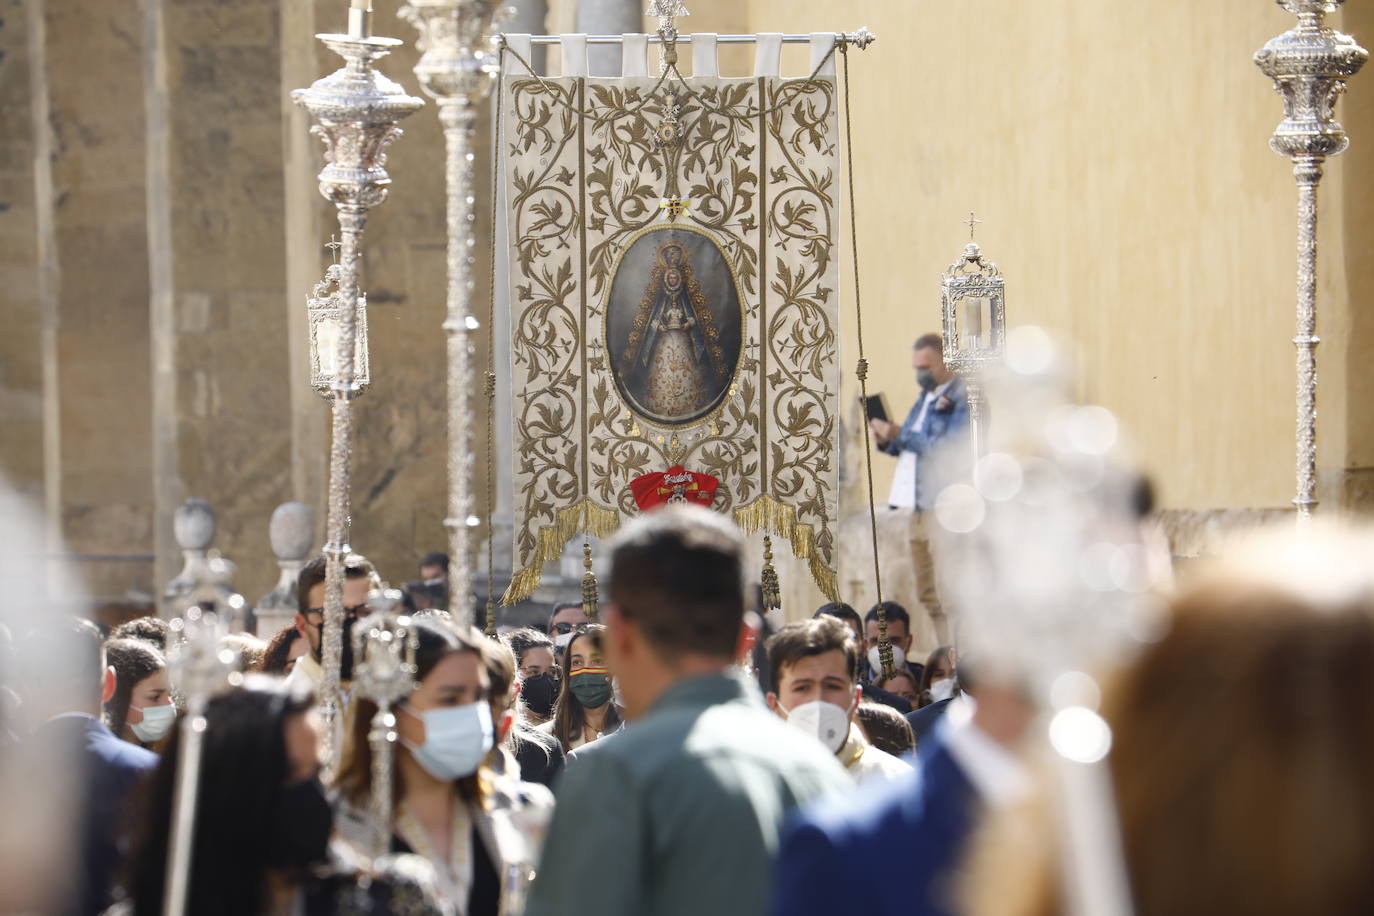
(971, 222)
(334, 245)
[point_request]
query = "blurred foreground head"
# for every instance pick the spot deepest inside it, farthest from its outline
(1243, 743)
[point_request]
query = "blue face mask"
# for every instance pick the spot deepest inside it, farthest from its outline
(456, 740)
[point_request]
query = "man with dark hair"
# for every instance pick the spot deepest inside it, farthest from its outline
(813, 667)
(898, 633)
(359, 579)
(680, 813)
(939, 416)
(66, 681)
(430, 591)
(845, 613)
(434, 566)
(565, 617)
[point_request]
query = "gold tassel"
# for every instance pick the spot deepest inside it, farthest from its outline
(591, 605)
(771, 516)
(772, 593)
(584, 516)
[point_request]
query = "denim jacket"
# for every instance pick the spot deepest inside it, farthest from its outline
(937, 427)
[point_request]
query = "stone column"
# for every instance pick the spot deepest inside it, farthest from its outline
(88, 347)
(607, 17)
(305, 255)
(221, 419)
(28, 262)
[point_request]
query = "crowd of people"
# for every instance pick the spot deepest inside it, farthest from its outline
(669, 757)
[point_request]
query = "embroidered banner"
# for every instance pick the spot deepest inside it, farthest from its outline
(673, 284)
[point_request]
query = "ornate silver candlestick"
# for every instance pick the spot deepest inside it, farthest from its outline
(198, 670)
(973, 319)
(1309, 65)
(356, 109)
(457, 70)
(384, 671)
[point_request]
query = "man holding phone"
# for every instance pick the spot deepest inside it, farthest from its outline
(940, 414)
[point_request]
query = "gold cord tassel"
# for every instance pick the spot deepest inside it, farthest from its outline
(768, 579)
(885, 659)
(591, 604)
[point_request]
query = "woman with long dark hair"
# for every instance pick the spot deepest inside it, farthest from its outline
(450, 805)
(282, 651)
(586, 709)
(141, 710)
(262, 821)
(937, 679)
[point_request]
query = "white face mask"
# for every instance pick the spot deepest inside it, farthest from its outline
(824, 721)
(157, 722)
(942, 689)
(456, 740)
(562, 640)
(875, 663)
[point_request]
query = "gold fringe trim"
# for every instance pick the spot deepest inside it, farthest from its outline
(582, 516)
(769, 515)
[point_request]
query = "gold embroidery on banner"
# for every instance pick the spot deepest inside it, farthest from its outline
(719, 169)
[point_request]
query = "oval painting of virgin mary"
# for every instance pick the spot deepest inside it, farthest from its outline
(673, 326)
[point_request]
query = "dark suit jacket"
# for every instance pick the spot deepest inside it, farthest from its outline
(923, 720)
(873, 692)
(826, 865)
(112, 769)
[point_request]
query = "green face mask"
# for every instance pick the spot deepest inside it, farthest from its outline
(591, 686)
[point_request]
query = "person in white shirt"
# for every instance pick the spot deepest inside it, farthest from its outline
(813, 667)
(359, 579)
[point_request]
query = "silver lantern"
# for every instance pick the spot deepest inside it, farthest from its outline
(325, 310)
(974, 324)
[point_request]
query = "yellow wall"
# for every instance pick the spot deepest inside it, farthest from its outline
(1117, 151)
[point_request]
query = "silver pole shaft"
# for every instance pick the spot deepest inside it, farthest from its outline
(351, 222)
(843, 37)
(1308, 172)
(179, 849)
(383, 759)
(459, 121)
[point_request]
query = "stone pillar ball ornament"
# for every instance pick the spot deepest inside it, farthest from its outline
(356, 110)
(292, 535)
(193, 526)
(1309, 65)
